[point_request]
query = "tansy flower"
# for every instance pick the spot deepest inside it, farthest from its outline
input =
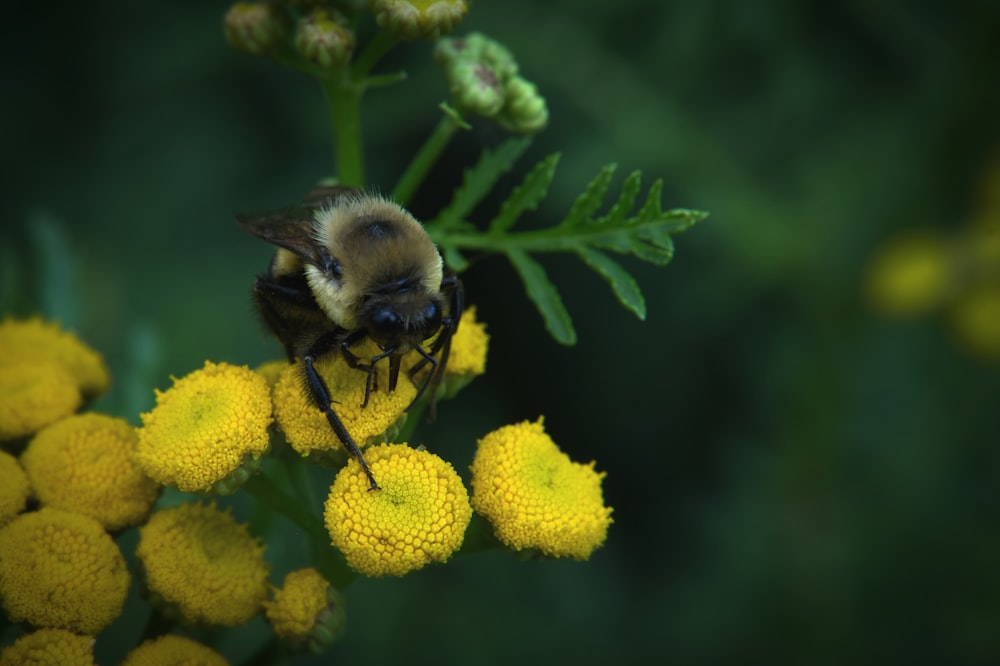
(203, 564)
(271, 370)
(84, 464)
(208, 432)
(36, 339)
(306, 427)
(49, 647)
(911, 275)
(14, 488)
(410, 19)
(173, 650)
(535, 496)
(61, 570)
(466, 360)
(307, 612)
(419, 516)
(33, 394)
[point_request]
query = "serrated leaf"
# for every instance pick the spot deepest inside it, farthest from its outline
(659, 255)
(623, 284)
(478, 180)
(526, 195)
(626, 201)
(591, 199)
(651, 209)
(545, 297)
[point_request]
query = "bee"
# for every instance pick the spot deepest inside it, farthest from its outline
(349, 266)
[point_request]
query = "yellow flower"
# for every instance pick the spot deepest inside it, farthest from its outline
(49, 647)
(271, 370)
(307, 612)
(209, 431)
(173, 650)
(419, 516)
(84, 464)
(203, 564)
(33, 394)
(410, 19)
(912, 274)
(14, 488)
(535, 496)
(306, 427)
(36, 339)
(468, 347)
(61, 570)
(975, 319)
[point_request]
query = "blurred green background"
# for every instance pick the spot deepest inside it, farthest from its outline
(796, 479)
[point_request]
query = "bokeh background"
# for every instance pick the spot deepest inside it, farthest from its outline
(799, 473)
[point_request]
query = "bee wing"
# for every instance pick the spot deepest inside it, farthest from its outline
(290, 228)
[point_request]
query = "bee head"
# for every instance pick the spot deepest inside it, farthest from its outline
(402, 320)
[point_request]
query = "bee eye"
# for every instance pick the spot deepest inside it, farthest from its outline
(431, 316)
(385, 321)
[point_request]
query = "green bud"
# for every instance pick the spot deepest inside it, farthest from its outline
(525, 111)
(258, 28)
(329, 625)
(482, 77)
(323, 41)
(413, 19)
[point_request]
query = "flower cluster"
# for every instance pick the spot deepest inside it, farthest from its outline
(921, 271)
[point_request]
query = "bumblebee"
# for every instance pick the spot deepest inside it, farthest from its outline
(348, 266)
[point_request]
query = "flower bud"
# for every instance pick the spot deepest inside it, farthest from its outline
(416, 19)
(257, 28)
(525, 111)
(323, 41)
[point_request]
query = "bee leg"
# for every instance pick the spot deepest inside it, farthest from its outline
(354, 362)
(320, 394)
(272, 298)
(449, 324)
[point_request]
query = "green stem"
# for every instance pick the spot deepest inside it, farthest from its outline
(425, 158)
(380, 44)
(344, 98)
(267, 492)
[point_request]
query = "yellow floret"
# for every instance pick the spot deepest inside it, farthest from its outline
(306, 612)
(306, 427)
(173, 650)
(204, 564)
(84, 464)
(296, 605)
(14, 488)
(419, 516)
(535, 496)
(205, 428)
(61, 570)
(50, 647)
(33, 394)
(35, 339)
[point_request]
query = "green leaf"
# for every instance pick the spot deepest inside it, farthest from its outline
(623, 284)
(479, 180)
(545, 296)
(526, 195)
(454, 259)
(587, 203)
(626, 201)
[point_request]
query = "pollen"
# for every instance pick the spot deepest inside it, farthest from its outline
(37, 339)
(84, 464)
(206, 428)
(535, 496)
(306, 427)
(173, 650)
(202, 563)
(419, 516)
(61, 570)
(50, 647)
